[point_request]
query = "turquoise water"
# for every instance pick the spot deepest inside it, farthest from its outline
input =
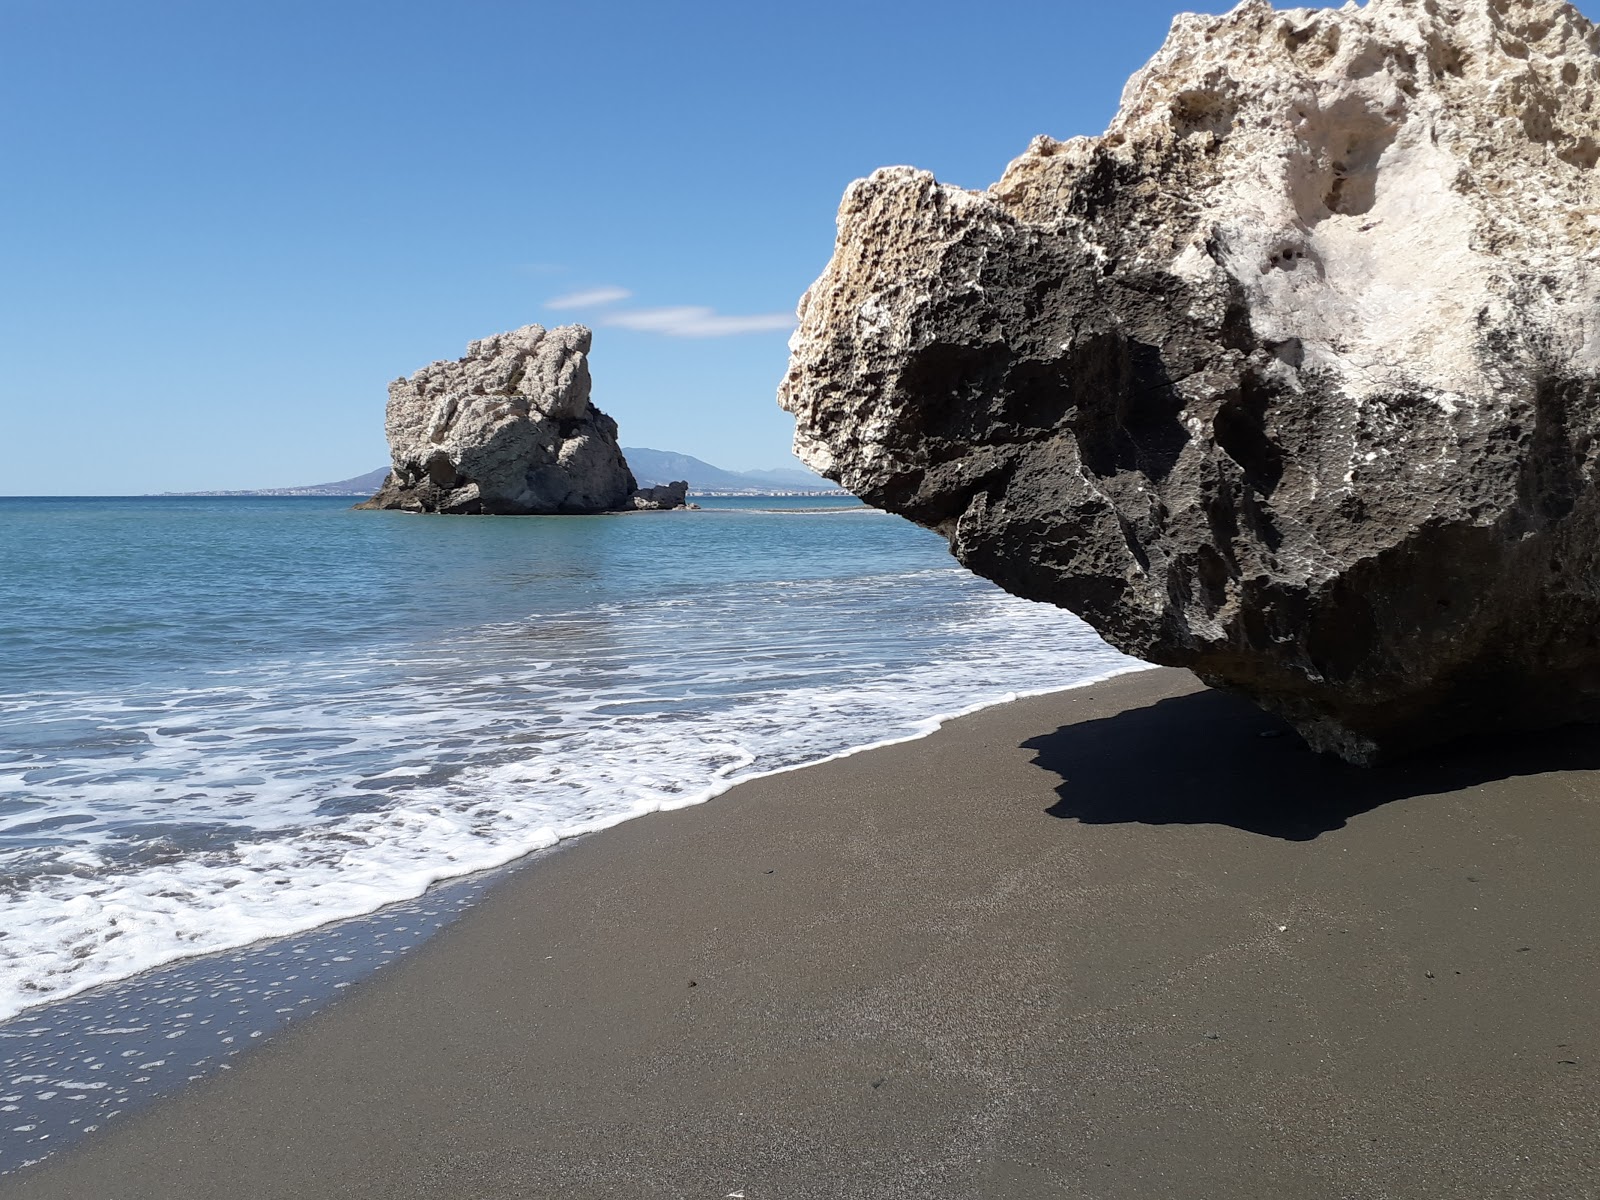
(228, 719)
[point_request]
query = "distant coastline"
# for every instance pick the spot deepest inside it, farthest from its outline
(326, 490)
(650, 468)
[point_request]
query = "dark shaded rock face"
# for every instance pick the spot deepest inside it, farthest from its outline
(1289, 378)
(663, 495)
(508, 429)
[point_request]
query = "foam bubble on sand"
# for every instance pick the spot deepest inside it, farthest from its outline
(77, 1064)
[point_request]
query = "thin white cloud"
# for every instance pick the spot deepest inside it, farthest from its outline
(693, 321)
(589, 298)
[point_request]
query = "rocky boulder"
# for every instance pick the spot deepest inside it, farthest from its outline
(507, 429)
(1288, 378)
(663, 495)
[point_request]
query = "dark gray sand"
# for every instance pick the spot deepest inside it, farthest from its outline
(70, 1067)
(1105, 943)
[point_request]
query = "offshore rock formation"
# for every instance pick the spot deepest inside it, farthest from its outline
(507, 429)
(663, 495)
(1288, 378)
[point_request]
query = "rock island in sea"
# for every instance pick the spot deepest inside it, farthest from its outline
(510, 429)
(1289, 378)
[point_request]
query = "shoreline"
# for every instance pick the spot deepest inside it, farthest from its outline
(515, 858)
(1075, 944)
(141, 1003)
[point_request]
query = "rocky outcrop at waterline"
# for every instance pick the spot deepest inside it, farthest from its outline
(1288, 378)
(508, 429)
(662, 495)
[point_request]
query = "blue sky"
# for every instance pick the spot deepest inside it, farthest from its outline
(225, 226)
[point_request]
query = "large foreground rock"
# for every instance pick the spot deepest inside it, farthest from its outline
(507, 429)
(1289, 377)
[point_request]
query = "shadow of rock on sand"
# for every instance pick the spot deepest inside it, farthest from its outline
(1212, 758)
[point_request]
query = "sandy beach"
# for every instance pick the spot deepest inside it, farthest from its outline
(1131, 940)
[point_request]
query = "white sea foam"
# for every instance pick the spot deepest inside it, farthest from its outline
(154, 825)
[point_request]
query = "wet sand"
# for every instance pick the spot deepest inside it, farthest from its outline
(1105, 943)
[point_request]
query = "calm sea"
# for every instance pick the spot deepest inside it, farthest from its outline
(223, 720)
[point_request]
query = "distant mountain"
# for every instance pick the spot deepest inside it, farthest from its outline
(793, 476)
(650, 467)
(653, 467)
(360, 485)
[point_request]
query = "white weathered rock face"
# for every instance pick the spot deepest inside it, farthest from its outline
(1289, 377)
(507, 429)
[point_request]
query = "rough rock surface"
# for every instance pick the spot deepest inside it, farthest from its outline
(1288, 378)
(663, 495)
(507, 429)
